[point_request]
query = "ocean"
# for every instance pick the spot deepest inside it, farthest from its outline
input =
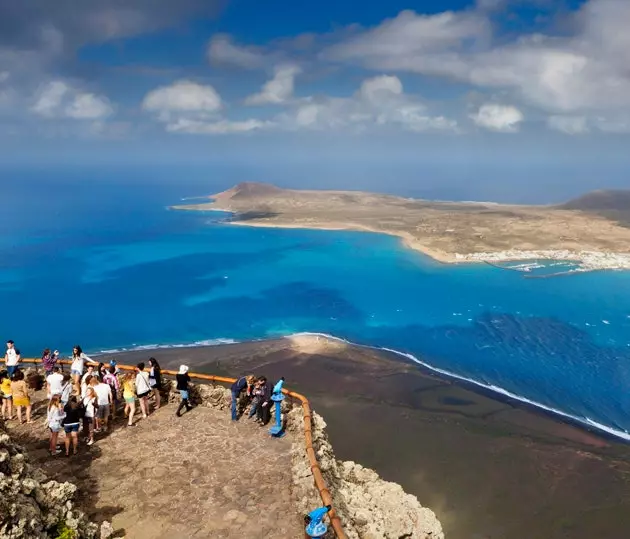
(96, 258)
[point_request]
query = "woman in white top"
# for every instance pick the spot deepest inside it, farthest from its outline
(143, 389)
(89, 402)
(54, 417)
(78, 362)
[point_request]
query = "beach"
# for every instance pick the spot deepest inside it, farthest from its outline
(488, 467)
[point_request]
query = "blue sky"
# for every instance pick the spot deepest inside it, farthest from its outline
(457, 83)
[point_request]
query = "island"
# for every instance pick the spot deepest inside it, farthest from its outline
(591, 230)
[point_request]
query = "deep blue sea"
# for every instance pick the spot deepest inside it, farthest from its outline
(96, 258)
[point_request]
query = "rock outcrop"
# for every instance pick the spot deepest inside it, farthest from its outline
(31, 505)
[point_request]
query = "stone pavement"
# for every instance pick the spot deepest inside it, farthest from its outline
(198, 476)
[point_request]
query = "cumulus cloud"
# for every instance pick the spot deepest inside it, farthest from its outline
(584, 71)
(277, 90)
(570, 125)
(58, 99)
(222, 50)
(189, 107)
(380, 102)
(182, 96)
(501, 118)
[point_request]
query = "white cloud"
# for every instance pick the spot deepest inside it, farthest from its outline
(220, 127)
(501, 118)
(278, 89)
(571, 125)
(380, 102)
(50, 99)
(379, 88)
(222, 50)
(4, 76)
(58, 99)
(88, 107)
(582, 72)
(182, 96)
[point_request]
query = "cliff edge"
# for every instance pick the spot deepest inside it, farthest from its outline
(33, 506)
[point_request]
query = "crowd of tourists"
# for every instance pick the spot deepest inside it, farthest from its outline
(88, 397)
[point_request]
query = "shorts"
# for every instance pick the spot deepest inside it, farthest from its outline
(21, 401)
(75, 372)
(130, 400)
(72, 427)
(142, 395)
(103, 411)
(11, 369)
(56, 428)
(184, 394)
(7, 397)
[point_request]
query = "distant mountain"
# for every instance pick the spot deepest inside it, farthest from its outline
(614, 204)
(598, 201)
(246, 190)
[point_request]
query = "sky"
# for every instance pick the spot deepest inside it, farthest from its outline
(507, 85)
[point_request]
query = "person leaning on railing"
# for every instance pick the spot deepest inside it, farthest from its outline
(244, 383)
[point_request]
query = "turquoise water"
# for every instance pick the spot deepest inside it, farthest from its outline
(87, 265)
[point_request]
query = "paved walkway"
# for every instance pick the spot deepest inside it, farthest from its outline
(198, 476)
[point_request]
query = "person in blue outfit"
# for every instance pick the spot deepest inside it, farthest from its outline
(244, 383)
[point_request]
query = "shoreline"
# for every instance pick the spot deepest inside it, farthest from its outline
(494, 392)
(587, 260)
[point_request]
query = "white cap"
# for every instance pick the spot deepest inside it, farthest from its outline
(183, 369)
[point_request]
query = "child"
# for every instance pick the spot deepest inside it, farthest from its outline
(129, 394)
(7, 402)
(183, 379)
(20, 394)
(54, 417)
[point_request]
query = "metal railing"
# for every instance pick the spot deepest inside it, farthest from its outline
(320, 484)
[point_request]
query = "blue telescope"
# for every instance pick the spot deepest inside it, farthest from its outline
(276, 396)
(315, 526)
(277, 389)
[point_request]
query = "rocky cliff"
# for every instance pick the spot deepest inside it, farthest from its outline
(31, 505)
(34, 507)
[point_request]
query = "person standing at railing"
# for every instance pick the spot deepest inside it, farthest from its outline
(76, 369)
(12, 358)
(143, 389)
(49, 360)
(155, 380)
(263, 413)
(183, 381)
(129, 394)
(244, 383)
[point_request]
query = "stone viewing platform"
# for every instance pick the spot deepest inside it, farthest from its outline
(200, 475)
